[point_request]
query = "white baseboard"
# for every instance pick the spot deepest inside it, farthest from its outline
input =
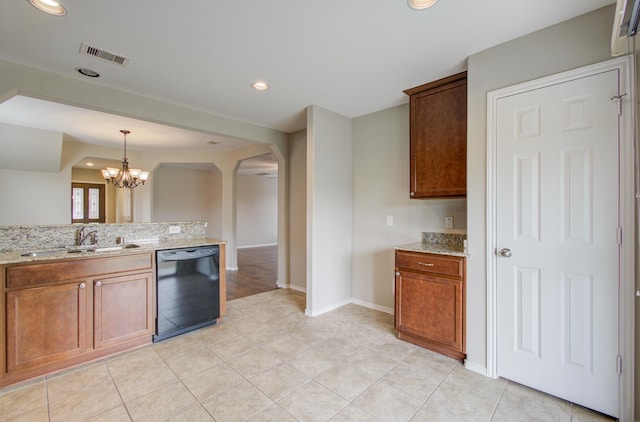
(290, 286)
(475, 367)
(256, 246)
(369, 305)
(297, 288)
(313, 313)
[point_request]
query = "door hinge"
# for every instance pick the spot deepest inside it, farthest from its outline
(619, 98)
(619, 235)
(619, 364)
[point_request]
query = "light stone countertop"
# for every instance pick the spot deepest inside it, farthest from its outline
(16, 256)
(434, 248)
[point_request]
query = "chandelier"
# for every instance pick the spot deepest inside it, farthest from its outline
(125, 178)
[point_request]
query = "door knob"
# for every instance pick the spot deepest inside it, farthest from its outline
(506, 252)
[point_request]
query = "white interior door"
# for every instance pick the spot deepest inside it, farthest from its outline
(557, 220)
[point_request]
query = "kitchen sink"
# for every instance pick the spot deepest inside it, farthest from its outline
(80, 249)
(98, 249)
(43, 253)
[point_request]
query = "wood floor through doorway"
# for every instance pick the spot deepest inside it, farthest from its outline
(257, 272)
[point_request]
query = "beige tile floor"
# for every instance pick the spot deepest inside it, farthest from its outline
(269, 362)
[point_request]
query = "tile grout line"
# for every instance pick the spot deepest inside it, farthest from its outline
(184, 385)
(413, 415)
(46, 391)
(495, 408)
(286, 395)
(352, 402)
(570, 411)
(115, 384)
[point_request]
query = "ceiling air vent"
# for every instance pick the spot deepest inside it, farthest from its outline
(90, 50)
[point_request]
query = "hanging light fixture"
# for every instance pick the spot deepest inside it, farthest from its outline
(125, 178)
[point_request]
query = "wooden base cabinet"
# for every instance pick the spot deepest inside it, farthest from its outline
(122, 308)
(429, 302)
(45, 324)
(66, 312)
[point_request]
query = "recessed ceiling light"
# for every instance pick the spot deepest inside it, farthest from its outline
(87, 72)
(89, 164)
(260, 85)
(421, 4)
(49, 6)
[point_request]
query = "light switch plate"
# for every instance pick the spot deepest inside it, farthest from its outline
(174, 229)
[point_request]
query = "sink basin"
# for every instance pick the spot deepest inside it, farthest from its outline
(80, 249)
(42, 253)
(98, 249)
(106, 249)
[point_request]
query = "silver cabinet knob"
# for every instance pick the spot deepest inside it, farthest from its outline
(506, 252)
(81, 286)
(97, 283)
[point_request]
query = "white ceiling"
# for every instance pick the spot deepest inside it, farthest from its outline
(353, 57)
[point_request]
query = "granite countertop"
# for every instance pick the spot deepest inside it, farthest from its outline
(434, 248)
(16, 256)
(452, 244)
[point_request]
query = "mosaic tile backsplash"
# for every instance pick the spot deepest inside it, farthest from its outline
(62, 235)
(452, 239)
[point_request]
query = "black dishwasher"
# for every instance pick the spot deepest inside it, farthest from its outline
(187, 290)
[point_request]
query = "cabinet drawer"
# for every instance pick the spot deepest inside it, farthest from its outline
(53, 272)
(425, 262)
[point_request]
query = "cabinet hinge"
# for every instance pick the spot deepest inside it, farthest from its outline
(619, 364)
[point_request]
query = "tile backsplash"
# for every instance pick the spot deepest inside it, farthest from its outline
(452, 239)
(62, 235)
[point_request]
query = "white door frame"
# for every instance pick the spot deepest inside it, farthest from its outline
(625, 67)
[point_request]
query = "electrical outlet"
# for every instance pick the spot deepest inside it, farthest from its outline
(448, 222)
(174, 229)
(389, 220)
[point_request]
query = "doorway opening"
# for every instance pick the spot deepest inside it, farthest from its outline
(256, 228)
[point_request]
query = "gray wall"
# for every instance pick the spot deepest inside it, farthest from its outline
(381, 189)
(187, 194)
(329, 210)
(257, 210)
(298, 210)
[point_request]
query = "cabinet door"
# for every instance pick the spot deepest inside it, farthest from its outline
(45, 324)
(430, 307)
(122, 308)
(439, 141)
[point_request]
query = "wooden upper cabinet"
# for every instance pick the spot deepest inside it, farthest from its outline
(438, 138)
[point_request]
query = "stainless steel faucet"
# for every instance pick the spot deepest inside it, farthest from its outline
(83, 237)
